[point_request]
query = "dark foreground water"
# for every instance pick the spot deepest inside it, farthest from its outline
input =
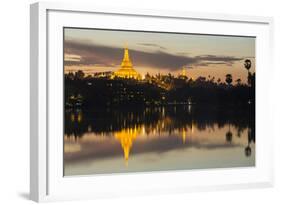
(157, 139)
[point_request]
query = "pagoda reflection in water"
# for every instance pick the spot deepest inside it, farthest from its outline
(126, 138)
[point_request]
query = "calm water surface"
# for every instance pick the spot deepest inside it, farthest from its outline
(157, 139)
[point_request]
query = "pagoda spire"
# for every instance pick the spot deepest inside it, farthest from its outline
(126, 63)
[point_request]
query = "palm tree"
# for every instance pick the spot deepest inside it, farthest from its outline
(247, 65)
(228, 79)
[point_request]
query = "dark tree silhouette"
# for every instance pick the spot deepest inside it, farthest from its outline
(248, 65)
(70, 76)
(147, 76)
(228, 137)
(238, 81)
(228, 79)
(79, 75)
(250, 77)
(248, 151)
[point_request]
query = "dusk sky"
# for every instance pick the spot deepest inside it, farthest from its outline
(94, 50)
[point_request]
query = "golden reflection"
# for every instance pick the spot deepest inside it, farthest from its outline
(126, 138)
(79, 117)
(71, 148)
(72, 117)
(192, 127)
(76, 117)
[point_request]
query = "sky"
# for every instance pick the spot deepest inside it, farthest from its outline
(94, 50)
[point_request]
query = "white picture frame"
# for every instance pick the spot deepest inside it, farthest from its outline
(46, 180)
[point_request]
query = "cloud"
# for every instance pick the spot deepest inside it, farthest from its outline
(218, 58)
(208, 60)
(183, 53)
(152, 45)
(208, 63)
(249, 57)
(72, 58)
(93, 54)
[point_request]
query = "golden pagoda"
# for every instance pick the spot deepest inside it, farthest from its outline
(127, 70)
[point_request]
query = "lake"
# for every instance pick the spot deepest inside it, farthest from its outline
(182, 137)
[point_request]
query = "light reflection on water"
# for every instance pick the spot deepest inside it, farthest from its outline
(154, 139)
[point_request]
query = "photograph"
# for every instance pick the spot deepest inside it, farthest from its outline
(147, 101)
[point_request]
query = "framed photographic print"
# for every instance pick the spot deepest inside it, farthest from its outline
(128, 101)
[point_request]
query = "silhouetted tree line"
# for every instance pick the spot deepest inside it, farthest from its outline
(89, 91)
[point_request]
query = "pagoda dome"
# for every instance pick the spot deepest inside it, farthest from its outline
(127, 70)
